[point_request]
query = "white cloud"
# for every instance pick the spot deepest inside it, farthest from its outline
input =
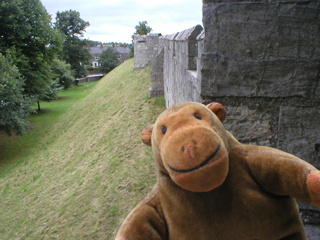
(115, 20)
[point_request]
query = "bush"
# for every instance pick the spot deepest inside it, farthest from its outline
(14, 106)
(62, 73)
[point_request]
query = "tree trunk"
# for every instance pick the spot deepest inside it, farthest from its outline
(38, 106)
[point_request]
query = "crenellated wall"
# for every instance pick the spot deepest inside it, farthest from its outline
(175, 66)
(180, 66)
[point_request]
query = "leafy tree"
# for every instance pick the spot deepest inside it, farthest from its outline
(26, 32)
(14, 105)
(141, 29)
(75, 51)
(51, 93)
(109, 59)
(70, 23)
(62, 73)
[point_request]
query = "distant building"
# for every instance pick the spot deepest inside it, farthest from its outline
(124, 53)
(96, 51)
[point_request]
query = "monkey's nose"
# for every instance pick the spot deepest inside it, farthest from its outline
(188, 146)
(189, 150)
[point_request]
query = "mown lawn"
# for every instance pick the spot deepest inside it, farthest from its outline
(86, 167)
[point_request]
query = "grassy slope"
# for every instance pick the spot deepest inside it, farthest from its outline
(92, 170)
(14, 149)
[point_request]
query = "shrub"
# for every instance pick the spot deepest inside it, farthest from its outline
(14, 105)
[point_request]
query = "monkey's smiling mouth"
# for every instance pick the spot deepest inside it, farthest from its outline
(205, 162)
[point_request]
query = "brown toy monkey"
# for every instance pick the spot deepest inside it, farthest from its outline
(210, 186)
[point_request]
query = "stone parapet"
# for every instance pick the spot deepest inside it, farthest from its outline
(145, 50)
(180, 60)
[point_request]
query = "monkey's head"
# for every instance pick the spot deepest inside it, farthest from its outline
(190, 144)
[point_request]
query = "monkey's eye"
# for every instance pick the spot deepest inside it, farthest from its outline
(197, 116)
(164, 129)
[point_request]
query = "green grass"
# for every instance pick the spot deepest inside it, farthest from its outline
(13, 149)
(86, 167)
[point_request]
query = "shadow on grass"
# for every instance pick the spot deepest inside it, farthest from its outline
(8, 157)
(15, 149)
(62, 98)
(41, 112)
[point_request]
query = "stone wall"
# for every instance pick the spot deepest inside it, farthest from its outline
(180, 66)
(261, 60)
(175, 66)
(156, 84)
(145, 50)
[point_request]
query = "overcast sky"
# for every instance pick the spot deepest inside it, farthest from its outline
(115, 20)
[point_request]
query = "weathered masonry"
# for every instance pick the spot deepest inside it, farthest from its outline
(261, 60)
(145, 49)
(178, 60)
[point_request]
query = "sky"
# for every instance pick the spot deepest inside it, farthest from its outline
(115, 20)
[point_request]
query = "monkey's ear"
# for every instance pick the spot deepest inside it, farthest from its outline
(146, 135)
(218, 109)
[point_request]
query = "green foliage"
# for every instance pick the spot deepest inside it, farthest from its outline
(131, 47)
(63, 73)
(108, 60)
(26, 32)
(142, 28)
(14, 106)
(70, 23)
(75, 51)
(52, 91)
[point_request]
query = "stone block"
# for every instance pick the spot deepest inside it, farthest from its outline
(274, 78)
(261, 48)
(299, 132)
(249, 126)
(146, 48)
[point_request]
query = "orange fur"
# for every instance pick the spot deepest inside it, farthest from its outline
(210, 186)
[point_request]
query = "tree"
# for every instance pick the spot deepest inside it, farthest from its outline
(62, 73)
(14, 105)
(26, 32)
(70, 23)
(75, 51)
(51, 93)
(108, 60)
(141, 29)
